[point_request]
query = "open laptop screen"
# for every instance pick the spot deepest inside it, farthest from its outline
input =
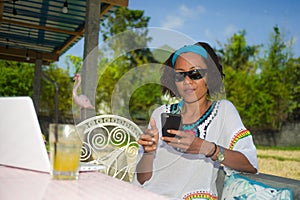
(21, 141)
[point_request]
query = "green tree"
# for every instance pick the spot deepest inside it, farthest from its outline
(16, 78)
(73, 62)
(240, 69)
(237, 53)
(275, 83)
(292, 78)
(264, 90)
(65, 86)
(125, 33)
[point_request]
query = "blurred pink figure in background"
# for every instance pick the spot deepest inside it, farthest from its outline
(81, 100)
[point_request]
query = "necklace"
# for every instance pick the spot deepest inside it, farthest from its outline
(193, 127)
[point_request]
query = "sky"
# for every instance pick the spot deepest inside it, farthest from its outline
(217, 20)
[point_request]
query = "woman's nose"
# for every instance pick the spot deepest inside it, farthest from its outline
(187, 79)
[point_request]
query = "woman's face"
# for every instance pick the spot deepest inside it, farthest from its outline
(191, 90)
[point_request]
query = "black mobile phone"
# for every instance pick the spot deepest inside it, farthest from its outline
(170, 121)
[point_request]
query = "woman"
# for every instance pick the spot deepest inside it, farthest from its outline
(212, 133)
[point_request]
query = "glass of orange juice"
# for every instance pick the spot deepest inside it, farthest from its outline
(65, 148)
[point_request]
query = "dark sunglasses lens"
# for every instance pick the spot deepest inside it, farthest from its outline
(194, 75)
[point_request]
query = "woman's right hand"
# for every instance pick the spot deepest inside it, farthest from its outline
(149, 139)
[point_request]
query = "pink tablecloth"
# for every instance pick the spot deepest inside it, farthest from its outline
(23, 184)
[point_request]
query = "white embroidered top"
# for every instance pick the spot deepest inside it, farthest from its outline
(177, 175)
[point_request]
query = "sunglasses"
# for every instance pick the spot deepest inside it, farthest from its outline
(194, 74)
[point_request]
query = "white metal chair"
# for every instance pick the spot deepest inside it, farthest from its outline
(111, 140)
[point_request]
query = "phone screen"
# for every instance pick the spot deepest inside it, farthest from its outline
(170, 121)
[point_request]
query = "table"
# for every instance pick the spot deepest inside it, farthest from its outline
(25, 184)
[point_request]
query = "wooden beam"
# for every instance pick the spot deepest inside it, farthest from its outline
(28, 25)
(70, 41)
(123, 3)
(104, 9)
(18, 59)
(21, 54)
(1, 10)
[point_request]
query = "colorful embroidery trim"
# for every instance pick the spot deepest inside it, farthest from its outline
(194, 127)
(239, 136)
(200, 195)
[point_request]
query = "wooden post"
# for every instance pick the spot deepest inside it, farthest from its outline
(37, 83)
(90, 64)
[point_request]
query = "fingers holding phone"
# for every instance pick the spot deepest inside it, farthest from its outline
(182, 141)
(173, 134)
(149, 139)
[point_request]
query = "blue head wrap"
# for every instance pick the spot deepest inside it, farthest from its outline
(189, 48)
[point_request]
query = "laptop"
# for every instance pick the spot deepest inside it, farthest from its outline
(21, 141)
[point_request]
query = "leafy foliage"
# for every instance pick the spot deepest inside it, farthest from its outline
(237, 53)
(264, 90)
(264, 86)
(16, 78)
(126, 32)
(65, 86)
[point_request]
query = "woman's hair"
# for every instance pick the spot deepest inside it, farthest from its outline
(214, 76)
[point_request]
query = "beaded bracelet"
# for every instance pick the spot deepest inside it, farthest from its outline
(213, 153)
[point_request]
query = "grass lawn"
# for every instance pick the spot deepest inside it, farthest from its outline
(284, 162)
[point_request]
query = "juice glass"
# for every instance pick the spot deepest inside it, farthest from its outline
(65, 149)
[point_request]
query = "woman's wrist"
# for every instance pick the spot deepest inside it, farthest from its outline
(212, 151)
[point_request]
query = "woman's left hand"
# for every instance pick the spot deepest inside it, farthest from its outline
(185, 141)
